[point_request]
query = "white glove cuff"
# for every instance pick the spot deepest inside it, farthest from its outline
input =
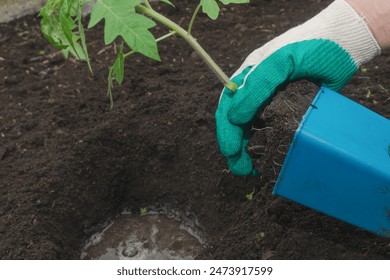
(339, 22)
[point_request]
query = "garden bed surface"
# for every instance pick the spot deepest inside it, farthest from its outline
(68, 163)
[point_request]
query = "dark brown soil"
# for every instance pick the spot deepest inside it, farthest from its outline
(68, 163)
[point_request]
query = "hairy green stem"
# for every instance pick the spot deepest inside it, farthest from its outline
(192, 42)
(193, 18)
(147, 4)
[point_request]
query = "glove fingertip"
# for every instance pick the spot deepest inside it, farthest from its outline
(241, 165)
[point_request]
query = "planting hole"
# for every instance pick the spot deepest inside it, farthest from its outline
(155, 235)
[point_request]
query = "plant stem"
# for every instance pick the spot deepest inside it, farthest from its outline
(157, 40)
(192, 42)
(193, 18)
(147, 4)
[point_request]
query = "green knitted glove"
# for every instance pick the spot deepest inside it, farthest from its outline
(328, 49)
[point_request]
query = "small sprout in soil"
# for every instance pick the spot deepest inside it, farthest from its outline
(260, 235)
(131, 20)
(363, 70)
(369, 94)
(249, 196)
(143, 211)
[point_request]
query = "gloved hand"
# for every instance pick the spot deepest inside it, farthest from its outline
(327, 49)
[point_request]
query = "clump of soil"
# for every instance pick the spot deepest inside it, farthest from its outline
(68, 163)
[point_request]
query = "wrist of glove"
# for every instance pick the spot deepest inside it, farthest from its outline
(327, 49)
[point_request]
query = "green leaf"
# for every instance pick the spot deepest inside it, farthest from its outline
(51, 24)
(226, 2)
(117, 72)
(122, 20)
(119, 66)
(77, 51)
(59, 20)
(167, 2)
(143, 211)
(68, 24)
(249, 196)
(211, 8)
(82, 35)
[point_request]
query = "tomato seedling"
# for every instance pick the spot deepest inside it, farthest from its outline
(131, 20)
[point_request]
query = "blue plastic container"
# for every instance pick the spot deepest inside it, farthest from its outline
(339, 163)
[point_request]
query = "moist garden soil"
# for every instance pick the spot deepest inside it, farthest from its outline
(68, 163)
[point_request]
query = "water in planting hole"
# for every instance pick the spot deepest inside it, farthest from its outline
(163, 235)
